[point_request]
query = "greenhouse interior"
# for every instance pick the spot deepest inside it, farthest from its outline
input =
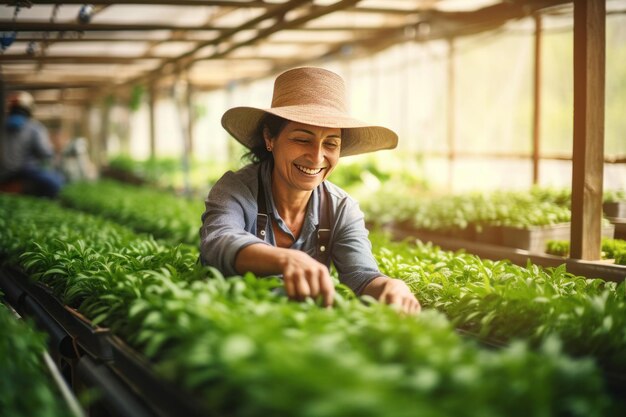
(313, 208)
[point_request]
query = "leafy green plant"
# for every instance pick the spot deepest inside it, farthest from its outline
(159, 213)
(473, 210)
(26, 387)
(167, 173)
(611, 249)
(243, 348)
(499, 302)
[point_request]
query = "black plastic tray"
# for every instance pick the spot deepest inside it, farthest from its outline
(23, 293)
(169, 400)
(113, 395)
(93, 339)
(14, 291)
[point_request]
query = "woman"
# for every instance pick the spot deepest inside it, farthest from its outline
(278, 216)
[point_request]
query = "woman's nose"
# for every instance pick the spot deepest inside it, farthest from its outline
(318, 154)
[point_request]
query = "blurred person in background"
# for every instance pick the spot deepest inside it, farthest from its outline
(279, 215)
(27, 152)
(75, 162)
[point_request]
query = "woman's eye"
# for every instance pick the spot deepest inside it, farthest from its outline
(332, 145)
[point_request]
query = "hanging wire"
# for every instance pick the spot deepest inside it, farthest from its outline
(46, 35)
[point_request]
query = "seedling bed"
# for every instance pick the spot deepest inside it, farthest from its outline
(37, 298)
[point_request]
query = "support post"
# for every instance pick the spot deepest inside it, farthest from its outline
(537, 100)
(588, 152)
(451, 116)
(152, 119)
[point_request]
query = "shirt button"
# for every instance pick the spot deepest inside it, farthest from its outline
(322, 248)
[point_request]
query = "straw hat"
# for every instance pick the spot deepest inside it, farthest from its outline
(312, 96)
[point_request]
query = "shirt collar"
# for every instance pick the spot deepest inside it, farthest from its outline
(311, 220)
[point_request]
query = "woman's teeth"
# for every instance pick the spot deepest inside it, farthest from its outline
(308, 170)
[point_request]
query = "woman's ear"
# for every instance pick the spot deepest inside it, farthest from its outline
(267, 138)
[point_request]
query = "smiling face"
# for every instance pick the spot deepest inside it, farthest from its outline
(304, 155)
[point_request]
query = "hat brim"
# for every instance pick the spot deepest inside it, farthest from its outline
(357, 137)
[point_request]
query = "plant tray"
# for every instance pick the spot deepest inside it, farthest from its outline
(489, 234)
(615, 209)
(620, 227)
(137, 371)
(534, 239)
(113, 396)
(14, 292)
(90, 338)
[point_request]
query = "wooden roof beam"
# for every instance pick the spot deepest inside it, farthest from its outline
(249, 3)
(286, 25)
(77, 59)
(43, 26)
(183, 59)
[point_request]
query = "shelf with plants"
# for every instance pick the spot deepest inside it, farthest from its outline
(612, 249)
(241, 347)
(524, 220)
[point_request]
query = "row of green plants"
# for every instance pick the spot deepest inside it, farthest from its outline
(26, 386)
(472, 210)
(144, 209)
(520, 209)
(167, 215)
(245, 349)
(499, 301)
(168, 172)
(611, 249)
(164, 214)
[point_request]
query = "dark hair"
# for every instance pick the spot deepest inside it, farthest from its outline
(275, 125)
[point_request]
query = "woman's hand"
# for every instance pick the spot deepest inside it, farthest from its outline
(303, 276)
(306, 277)
(394, 292)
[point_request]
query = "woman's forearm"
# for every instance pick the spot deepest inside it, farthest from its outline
(375, 287)
(261, 259)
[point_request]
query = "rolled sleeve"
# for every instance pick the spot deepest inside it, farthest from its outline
(230, 206)
(352, 249)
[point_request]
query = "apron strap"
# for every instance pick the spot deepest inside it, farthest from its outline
(261, 217)
(322, 250)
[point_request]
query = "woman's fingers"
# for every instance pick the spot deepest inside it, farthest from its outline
(396, 292)
(314, 280)
(306, 277)
(410, 305)
(327, 291)
(303, 288)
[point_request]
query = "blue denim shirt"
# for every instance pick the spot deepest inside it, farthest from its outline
(229, 225)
